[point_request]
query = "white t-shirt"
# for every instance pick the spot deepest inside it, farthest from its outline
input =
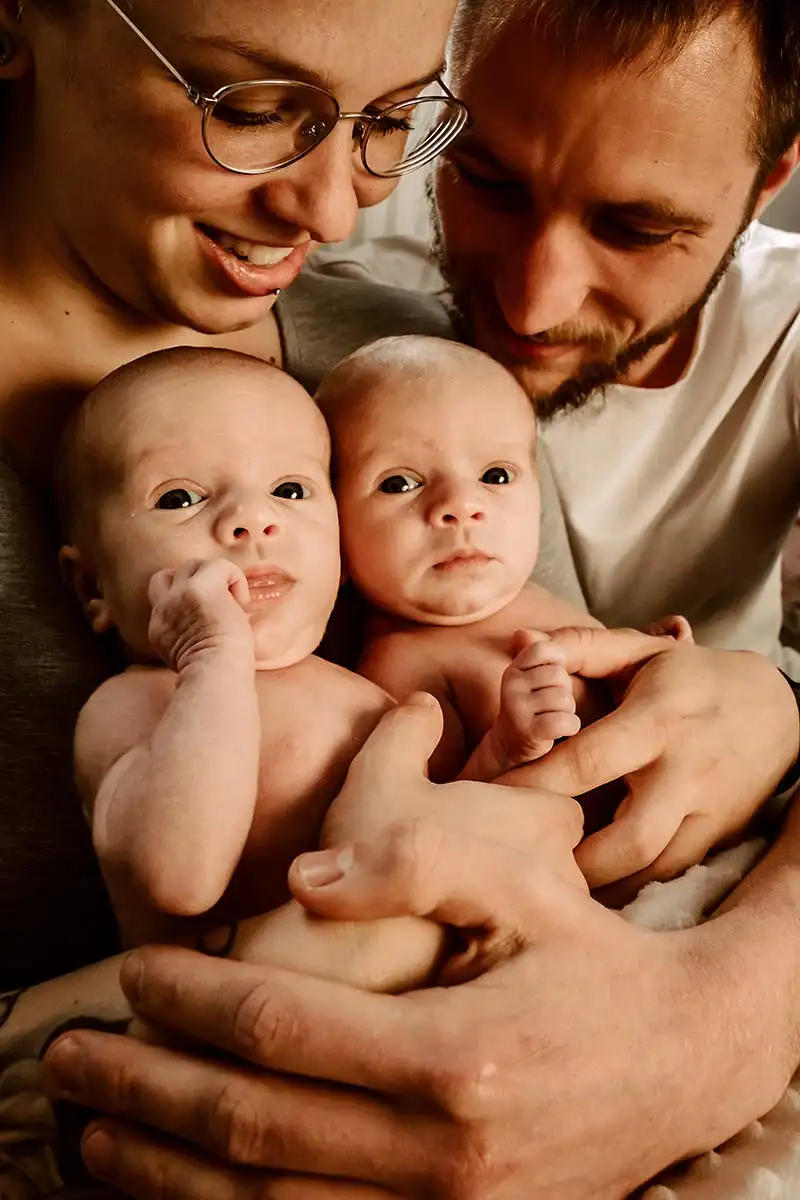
(680, 499)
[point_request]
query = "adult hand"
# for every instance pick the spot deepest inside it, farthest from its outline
(587, 1057)
(692, 723)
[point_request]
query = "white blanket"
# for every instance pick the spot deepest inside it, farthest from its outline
(762, 1162)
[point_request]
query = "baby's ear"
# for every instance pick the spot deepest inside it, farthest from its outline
(80, 576)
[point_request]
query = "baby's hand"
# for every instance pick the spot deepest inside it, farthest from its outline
(199, 609)
(537, 705)
(673, 626)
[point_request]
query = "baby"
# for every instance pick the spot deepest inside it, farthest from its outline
(201, 527)
(436, 481)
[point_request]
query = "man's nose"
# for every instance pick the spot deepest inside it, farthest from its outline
(456, 504)
(544, 276)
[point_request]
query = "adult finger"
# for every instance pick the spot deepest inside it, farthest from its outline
(400, 745)
(415, 868)
(244, 1117)
(269, 1017)
(524, 818)
(694, 840)
(597, 653)
(615, 746)
(140, 1164)
(642, 828)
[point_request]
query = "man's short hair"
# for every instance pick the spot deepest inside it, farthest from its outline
(620, 31)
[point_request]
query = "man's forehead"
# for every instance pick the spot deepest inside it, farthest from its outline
(703, 91)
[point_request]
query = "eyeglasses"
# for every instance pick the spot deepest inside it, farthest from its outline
(262, 125)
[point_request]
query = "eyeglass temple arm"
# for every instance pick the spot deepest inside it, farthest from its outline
(192, 93)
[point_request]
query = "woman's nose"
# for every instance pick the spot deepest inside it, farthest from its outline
(317, 194)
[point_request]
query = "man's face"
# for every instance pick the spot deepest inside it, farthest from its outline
(586, 217)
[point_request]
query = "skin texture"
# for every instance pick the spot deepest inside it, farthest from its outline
(542, 236)
(687, 713)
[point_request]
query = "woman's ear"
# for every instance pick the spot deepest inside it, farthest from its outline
(80, 576)
(15, 55)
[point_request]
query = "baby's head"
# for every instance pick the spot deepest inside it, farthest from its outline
(434, 448)
(194, 454)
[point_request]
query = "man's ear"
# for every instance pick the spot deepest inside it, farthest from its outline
(778, 177)
(79, 575)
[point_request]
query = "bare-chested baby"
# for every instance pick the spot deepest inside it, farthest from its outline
(201, 527)
(435, 475)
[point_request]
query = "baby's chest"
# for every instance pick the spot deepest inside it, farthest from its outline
(475, 680)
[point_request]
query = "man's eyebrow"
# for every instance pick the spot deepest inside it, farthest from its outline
(660, 212)
(275, 67)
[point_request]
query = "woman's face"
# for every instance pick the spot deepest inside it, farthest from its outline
(126, 181)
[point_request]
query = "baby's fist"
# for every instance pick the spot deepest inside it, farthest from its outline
(199, 609)
(537, 705)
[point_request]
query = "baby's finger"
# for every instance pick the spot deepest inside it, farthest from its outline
(549, 700)
(550, 726)
(523, 638)
(538, 675)
(159, 585)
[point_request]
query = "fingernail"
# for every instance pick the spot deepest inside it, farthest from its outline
(63, 1060)
(130, 977)
(99, 1152)
(325, 867)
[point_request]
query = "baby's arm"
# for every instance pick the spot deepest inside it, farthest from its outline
(168, 764)
(537, 706)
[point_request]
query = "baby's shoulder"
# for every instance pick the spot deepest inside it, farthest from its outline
(318, 684)
(403, 660)
(536, 608)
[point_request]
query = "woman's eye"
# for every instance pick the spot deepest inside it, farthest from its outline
(497, 475)
(179, 497)
(395, 485)
(291, 490)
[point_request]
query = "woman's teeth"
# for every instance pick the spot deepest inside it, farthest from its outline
(253, 252)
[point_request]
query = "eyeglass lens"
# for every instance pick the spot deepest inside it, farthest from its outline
(257, 126)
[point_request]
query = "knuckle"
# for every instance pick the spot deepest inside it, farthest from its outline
(238, 1129)
(466, 1088)
(472, 1173)
(413, 852)
(265, 1023)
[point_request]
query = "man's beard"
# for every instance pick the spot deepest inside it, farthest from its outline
(595, 376)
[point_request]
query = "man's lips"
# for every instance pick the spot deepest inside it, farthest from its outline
(268, 583)
(462, 560)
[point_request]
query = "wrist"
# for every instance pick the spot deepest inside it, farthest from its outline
(228, 661)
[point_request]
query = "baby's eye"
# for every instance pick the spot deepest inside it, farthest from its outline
(291, 490)
(497, 475)
(180, 497)
(395, 485)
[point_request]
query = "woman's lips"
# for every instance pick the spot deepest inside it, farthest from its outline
(234, 273)
(268, 583)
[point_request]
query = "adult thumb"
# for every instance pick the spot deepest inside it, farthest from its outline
(400, 745)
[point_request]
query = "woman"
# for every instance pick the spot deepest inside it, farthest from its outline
(129, 221)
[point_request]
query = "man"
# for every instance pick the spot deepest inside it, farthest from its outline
(595, 232)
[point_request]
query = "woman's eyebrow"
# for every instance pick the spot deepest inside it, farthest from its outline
(283, 68)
